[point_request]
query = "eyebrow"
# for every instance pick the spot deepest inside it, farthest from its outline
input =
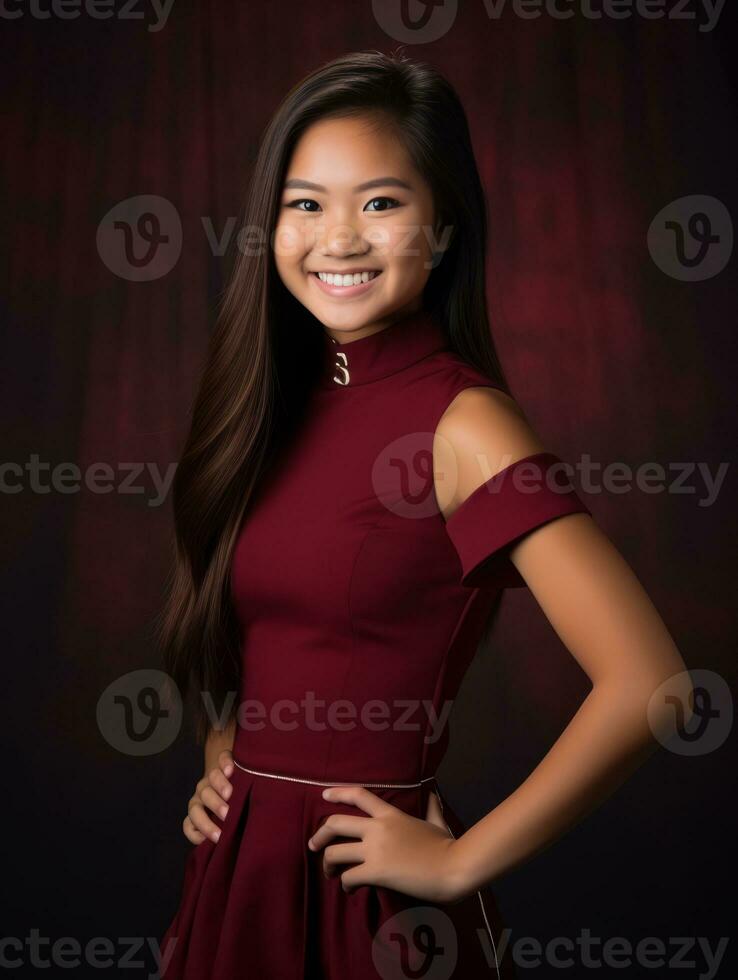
(296, 182)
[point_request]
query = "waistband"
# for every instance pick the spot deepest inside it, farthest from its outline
(320, 782)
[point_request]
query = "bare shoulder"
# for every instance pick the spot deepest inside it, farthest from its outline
(480, 413)
(482, 431)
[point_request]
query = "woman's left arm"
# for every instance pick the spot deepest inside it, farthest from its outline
(603, 615)
(599, 609)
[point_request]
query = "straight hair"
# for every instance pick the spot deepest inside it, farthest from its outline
(263, 354)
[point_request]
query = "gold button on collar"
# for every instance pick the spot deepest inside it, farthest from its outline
(341, 365)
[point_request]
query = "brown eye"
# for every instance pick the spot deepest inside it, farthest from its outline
(304, 200)
(392, 201)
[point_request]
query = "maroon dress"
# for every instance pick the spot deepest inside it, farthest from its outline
(360, 610)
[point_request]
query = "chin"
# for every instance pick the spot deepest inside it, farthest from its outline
(348, 318)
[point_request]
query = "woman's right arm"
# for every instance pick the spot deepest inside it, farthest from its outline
(214, 789)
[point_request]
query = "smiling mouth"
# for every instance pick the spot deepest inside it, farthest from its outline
(347, 279)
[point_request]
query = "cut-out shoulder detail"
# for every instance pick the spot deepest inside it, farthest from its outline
(495, 481)
(523, 496)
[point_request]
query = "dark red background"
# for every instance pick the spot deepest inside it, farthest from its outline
(583, 130)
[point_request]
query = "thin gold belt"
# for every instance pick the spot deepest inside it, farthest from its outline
(320, 782)
(428, 779)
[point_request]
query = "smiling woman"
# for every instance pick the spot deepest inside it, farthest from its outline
(346, 243)
(338, 547)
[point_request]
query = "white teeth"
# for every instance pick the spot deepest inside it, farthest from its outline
(336, 279)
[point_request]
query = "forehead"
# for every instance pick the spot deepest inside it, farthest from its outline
(345, 149)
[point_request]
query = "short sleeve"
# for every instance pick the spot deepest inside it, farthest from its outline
(522, 496)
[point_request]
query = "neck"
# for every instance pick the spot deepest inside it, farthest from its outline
(381, 352)
(358, 333)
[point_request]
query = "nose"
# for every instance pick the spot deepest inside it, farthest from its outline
(341, 240)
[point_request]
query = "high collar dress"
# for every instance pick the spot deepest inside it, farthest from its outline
(360, 609)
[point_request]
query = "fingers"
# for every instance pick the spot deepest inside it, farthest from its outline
(354, 878)
(191, 832)
(214, 801)
(358, 796)
(218, 780)
(338, 825)
(211, 792)
(200, 819)
(225, 761)
(335, 856)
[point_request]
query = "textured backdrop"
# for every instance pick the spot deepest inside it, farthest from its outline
(584, 131)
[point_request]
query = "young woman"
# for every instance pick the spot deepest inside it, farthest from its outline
(357, 488)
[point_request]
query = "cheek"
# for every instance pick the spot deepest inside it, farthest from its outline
(382, 238)
(408, 246)
(290, 244)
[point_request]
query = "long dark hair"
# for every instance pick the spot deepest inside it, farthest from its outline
(251, 391)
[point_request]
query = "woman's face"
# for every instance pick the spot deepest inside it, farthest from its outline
(353, 205)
